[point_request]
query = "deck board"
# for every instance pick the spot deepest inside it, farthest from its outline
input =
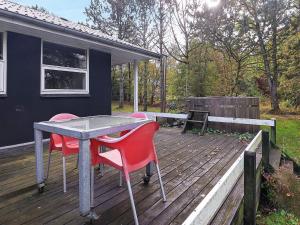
(190, 165)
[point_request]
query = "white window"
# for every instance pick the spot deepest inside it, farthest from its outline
(64, 69)
(2, 63)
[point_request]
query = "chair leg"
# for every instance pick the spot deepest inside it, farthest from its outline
(64, 174)
(92, 186)
(77, 161)
(48, 168)
(132, 202)
(121, 179)
(101, 166)
(161, 183)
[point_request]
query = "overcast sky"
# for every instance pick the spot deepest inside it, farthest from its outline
(69, 9)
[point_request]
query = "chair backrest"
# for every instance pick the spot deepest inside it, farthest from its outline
(56, 139)
(139, 115)
(137, 147)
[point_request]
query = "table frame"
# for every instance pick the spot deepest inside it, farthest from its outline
(84, 164)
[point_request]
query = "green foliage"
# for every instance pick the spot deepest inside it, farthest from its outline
(195, 131)
(213, 131)
(177, 89)
(290, 64)
(241, 136)
(245, 136)
(278, 218)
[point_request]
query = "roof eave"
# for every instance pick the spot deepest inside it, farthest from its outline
(51, 26)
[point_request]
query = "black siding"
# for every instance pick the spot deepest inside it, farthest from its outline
(24, 104)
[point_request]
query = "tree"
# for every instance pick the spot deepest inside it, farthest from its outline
(154, 80)
(115, 18)
(182, 24)
(40, 8)
(145, 32)
(269, 21)
(161, 27)
(226, 29)
(289, 52)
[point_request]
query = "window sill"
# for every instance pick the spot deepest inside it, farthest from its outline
(2, 95)
(65, 95)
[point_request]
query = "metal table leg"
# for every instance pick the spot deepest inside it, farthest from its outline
(85, 180)
(38, 139)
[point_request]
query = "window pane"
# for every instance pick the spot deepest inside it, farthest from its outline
(59, 55)
(1, 45)
(64, 80)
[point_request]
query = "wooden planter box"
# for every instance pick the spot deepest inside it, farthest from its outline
(236, 107)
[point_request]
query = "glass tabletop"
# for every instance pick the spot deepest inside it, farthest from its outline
(95, 122)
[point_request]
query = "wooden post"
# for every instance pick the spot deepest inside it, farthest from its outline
(136, 87)
(249, 188)
(266, 150)
(273, 133)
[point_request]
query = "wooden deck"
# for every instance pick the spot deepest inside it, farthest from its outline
(190, 164)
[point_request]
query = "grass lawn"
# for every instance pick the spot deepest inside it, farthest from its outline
(288, 129)
(277, 218)
(288, 135)
(129, 107)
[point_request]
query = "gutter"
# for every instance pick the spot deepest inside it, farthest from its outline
(69, 31)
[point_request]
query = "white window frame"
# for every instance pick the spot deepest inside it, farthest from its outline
(45, 91)
(3, 76)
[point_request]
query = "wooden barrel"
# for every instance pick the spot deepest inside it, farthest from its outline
(237, 107)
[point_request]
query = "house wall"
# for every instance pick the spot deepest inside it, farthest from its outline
(24, 104)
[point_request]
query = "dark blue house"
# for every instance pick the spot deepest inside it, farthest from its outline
(50, 65)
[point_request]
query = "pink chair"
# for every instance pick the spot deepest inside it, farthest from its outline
(139, 115)
(132, 152)
(67, 145)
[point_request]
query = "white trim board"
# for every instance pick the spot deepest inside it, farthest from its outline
(212, 202)
(246, 121)
(26, 144)
(256, 141)
(270, 123)
(166, 115)
(3, 62)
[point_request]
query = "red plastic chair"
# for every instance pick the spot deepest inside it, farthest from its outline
(67, 145)
(139, 115)
(132, 152)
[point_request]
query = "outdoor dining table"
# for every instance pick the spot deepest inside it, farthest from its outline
(83, 128)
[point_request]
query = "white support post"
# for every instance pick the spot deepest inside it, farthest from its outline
(136, 86)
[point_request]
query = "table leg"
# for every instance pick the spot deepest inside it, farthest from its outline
(38, 140)
(84, 178)
(149, 169)
(149, 172)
